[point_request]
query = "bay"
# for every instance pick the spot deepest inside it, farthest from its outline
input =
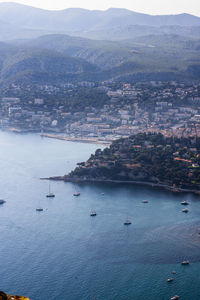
(63, 253)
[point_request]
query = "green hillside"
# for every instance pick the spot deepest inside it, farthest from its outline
(144, 158)
(21, 64)
(61, 58)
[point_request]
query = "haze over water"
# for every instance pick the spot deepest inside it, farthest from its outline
(63, 253)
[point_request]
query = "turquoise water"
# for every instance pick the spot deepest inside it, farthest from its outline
(63, 253)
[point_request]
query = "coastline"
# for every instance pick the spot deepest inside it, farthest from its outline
(93, 140)
(97, 140)
(144, 183)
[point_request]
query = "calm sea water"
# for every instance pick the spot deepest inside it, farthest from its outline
(63, 253)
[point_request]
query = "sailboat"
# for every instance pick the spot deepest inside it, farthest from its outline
(93, 214)
(50, 195)
(39, 207)
(127, 221)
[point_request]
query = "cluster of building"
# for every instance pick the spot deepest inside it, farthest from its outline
(171, 108)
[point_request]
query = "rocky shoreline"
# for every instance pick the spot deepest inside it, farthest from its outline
(144, 159)
(144, 183)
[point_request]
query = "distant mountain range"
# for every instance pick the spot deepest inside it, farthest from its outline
(40, 46)
(20, 21)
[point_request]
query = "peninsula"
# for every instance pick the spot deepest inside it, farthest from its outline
(148, 159)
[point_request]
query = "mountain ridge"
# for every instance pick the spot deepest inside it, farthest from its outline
(80, 21)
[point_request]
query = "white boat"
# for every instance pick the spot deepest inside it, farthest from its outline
(184, 203)
(170, 279)
(145, 201)
(185, 262)
(175, 297)
(185, 210)
(93, 214)
(50, 195)
(76, 194)
(127, 222)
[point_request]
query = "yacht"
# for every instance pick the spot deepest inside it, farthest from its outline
(93, 214)
(127, 222)
(76, 194)
(50, 195)
(184, 203)
(185, 210)
(145, 201)
(185, 262)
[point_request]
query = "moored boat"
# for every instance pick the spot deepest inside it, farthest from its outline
(185, 210)
(175, 297)
(76, 194)
(93, 214)
(39, 209)
(185, 262)
(145, 201)
(50, 194)
(184, 203)
(127, 222)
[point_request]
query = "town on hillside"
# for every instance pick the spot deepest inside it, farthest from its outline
(106, 110)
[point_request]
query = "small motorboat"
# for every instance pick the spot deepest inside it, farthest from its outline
(102, 194)
(173, 272)
(39, 209)
(184, 203)
(170, 279)
(145, 201)
(76, 194)
(2, 201)
(185, 262)
(127, 222)
(93, 214)
(175, 297)
(185, 210)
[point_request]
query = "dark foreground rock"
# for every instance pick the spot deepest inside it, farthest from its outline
(4, 296)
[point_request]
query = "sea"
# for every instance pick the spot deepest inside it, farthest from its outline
(62, 253)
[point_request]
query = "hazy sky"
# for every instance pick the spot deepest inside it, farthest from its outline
(146, 6)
